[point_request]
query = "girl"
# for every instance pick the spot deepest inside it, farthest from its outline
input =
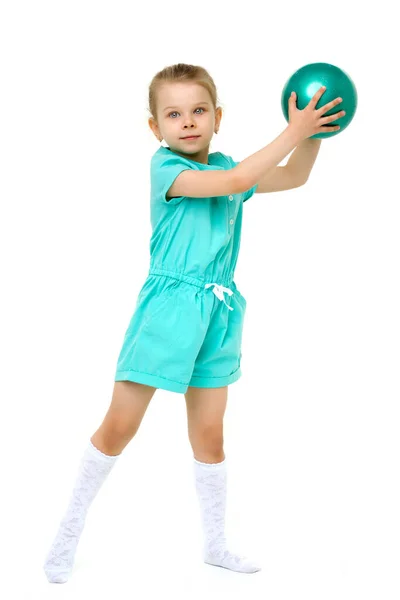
(185, 334)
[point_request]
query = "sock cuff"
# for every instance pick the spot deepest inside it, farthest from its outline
(211, 466)
(98, 454)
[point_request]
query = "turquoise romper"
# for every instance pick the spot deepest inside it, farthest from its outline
(187, 326)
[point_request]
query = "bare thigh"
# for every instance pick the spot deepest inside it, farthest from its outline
(128, 405)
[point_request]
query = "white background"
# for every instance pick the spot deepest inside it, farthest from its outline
(311, 428)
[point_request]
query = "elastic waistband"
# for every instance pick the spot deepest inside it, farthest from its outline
(227, 282)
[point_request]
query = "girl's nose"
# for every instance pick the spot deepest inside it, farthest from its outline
(189, 121)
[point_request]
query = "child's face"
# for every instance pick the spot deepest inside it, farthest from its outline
(185, 109)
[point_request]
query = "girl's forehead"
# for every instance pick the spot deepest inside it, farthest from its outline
(182, 92)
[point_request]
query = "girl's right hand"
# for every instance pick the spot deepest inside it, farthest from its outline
(310, 121)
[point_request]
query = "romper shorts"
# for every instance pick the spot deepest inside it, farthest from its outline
(183, 334)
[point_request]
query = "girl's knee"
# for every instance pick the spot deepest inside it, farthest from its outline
(208, 443)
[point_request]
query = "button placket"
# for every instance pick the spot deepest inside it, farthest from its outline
(231, 221)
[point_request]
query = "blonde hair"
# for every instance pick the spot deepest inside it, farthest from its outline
(180, 73)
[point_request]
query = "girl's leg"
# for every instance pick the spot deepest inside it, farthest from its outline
(205, 410)
(128, 406)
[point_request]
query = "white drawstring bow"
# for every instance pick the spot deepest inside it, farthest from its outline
(219, 292)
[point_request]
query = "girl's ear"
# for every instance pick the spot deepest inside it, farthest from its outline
(154, 127)
(218, 117)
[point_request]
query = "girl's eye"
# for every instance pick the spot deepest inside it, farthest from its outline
(175, 112)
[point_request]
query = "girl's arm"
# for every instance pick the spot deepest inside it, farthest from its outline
(295, 173)
(203, 184)
(303, 158)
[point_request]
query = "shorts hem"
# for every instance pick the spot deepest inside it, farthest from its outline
(151, 380)
(215, 382)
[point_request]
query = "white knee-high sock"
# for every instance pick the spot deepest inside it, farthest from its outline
(94, 468)
(211, 487)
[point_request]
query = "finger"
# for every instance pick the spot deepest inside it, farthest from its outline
(314, 100)
(330, 105)
(328, 129)
(331, 118)
(292, 102)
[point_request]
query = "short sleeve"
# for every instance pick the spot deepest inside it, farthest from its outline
(248, 193)
(164, 170)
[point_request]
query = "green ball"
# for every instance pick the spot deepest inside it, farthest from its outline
(307, 81)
